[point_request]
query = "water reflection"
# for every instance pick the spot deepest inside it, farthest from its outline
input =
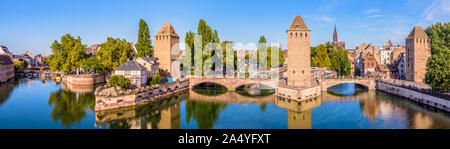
(5, 92)
(32, 103)
(206, 114)
(70, 107)
(299, 112)
(164, 114)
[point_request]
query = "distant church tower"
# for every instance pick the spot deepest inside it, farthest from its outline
(335, 36)
(417, 52)
(298, 44)
(166, 45)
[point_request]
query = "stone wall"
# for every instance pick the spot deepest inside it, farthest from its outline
(86, 79)
(126, 98)
(415, 96)
(298, 94)
(6, 72)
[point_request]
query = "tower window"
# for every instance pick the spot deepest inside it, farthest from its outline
(306, 34)
(291, 35)
(295, 35)
(301, 35)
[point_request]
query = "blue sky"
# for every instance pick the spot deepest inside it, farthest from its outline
(34, 25)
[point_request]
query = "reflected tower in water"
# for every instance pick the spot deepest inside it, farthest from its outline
(299, 112)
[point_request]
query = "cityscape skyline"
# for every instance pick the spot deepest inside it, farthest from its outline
(33, 26)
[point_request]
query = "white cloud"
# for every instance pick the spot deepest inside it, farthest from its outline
(437, 10)
(371, 11)
(323, 18)
(375, 16)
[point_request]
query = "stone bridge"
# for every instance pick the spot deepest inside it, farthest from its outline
(233, 83)
(366, 82)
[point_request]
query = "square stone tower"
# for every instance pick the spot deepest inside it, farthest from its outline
(298, 44)
(417, 52)
(166, 47)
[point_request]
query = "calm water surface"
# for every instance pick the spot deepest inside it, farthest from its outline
(33, 103)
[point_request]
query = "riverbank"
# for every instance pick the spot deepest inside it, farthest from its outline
(417, 96)
(107, 98)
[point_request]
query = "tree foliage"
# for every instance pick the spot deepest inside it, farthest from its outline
(93, 63)
(268, 54)
(67, 55)
(144, 46)
(340, 62)
(321, 58)
(438, 65)
(19, 65)
(157, 79)
(335, 58)
(113, 53)
(202, 52)
(119, 80)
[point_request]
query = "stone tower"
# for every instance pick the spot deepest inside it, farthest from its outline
(166, 45)
(335, 36)
(298, 44)
(417, 52)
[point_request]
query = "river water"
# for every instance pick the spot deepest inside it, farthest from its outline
(35, 103)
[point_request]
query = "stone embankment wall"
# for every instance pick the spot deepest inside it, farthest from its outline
(86, 79)
(414, 95)
(298, 94)
(126, 98)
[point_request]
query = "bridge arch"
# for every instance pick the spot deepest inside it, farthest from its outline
(231, 83)
(209, 85)
(366, 82)
(357, 84)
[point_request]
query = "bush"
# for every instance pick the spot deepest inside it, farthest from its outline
(157, 79)
(119, 80)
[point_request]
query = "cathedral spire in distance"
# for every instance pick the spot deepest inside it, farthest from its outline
(335, 36)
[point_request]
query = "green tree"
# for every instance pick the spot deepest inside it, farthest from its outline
(157, 79)
(144, 46)
(120, 81)
(113, 53)
(340, 62)
(227, 49)
(68, 55)
(313, 54)
(19, 65)
(321, 58)
(268, 54)
(200, 51)
(438, 65)
(262, 52)
(93, 63)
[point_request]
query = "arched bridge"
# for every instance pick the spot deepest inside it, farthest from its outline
(367, 82)
(233, 83)
(231, 97)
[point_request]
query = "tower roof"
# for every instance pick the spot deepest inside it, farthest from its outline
(166, 30)
(298, 24)
(418, 32)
